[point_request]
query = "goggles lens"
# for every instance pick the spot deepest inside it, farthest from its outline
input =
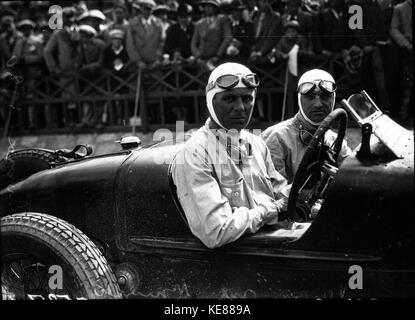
(229, 81)
(325, 85)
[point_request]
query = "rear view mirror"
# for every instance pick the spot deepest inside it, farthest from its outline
(362, 107)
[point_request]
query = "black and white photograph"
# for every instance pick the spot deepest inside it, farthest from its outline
(205, 155)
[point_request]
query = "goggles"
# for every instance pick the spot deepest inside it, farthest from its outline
(229, 81)
(326, 86)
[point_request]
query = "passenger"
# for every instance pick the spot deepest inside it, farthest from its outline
(288, 140)
(225, 179)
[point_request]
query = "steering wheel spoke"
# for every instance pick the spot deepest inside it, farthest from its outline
(326, 163)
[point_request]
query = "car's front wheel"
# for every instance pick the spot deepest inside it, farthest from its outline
(44, 257)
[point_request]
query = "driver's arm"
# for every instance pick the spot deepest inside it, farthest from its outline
(208, 211)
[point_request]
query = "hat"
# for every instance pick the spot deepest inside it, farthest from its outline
(237, 5)
(84, 28)
(212, 2)
(184, 9)
(292, 24)
(25, 23)
(94, 13)
(146, 3)
(161, 7)
(116, 34)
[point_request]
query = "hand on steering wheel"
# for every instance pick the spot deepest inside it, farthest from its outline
(309, 164)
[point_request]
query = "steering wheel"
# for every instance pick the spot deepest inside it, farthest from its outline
(309, 162)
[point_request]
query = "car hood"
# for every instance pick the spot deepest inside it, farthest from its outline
(100, 169)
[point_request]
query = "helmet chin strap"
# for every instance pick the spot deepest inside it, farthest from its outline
(316, 124)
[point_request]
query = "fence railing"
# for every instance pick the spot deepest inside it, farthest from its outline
(109, 100)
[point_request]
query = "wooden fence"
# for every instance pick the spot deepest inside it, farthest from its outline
(163, 95)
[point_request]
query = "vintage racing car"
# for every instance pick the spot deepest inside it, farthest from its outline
(80, 226)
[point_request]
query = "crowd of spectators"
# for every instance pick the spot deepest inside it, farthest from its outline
(123, 35)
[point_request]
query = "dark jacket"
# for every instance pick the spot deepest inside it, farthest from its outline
(91, 54)
(110, 57)
(268, 32)
(244, 32)
(333, 33)
(179, 40)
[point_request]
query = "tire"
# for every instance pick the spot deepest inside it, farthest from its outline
(35, 241)
(23, 163)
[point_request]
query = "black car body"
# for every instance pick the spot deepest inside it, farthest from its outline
(125, 202)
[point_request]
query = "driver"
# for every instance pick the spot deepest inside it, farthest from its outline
(288, 140)
(226, 182)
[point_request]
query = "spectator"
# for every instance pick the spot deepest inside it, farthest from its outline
(117, 61)
(120, 22)
(161, 11)
(371, 40)
(212, 35)
(94, 18)
(179, 35)
(401, 33)
(290, 38)
(91, 55)
(293, 12)
(243, 34)
(115, 55)
(63, 45)
(143, 40)
(332, 29)
(29, 53)
(268, 29)
(8, 34)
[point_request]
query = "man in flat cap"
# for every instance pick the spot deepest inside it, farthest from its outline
(179, 35)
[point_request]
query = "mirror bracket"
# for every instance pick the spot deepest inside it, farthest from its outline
(365, 151)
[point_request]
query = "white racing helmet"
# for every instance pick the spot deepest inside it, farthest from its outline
(311, 76)
(225, 69)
